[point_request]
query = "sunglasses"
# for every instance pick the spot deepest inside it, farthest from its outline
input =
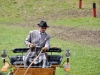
(44, 28)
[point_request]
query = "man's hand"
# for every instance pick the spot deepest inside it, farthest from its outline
(44, 49)
(31, 45)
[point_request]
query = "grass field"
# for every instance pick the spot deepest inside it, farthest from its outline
(19, 17)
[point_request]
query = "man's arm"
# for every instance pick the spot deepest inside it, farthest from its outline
(28, 39)
(47, 44)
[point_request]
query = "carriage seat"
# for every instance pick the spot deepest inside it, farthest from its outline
(52, 59)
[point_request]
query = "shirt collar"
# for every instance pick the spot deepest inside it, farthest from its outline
(41, 32)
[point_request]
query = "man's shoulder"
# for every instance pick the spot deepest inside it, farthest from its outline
(33, 31)
(48, 35)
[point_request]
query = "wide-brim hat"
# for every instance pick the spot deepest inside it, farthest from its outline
(43, 24)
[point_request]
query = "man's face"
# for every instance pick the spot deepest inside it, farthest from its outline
(42, 29)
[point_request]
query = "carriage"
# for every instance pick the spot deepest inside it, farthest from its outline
(54, 60)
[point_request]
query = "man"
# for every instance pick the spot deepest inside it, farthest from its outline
(38, 38)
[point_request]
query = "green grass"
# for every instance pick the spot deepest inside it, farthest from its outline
(82, 22)
(84, 59)
(15, 10)
(12, 36)
(20, 10)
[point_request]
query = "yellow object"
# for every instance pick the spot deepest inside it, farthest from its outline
(67, 67)
(4, 68)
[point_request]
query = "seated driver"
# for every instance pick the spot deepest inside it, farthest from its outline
(38, 38)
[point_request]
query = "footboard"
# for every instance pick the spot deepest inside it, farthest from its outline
(34, 71)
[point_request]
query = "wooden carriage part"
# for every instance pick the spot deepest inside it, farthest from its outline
(34, 71)
(54, 60)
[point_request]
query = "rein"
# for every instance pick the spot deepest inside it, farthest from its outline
(32, 62)
(22, 61)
